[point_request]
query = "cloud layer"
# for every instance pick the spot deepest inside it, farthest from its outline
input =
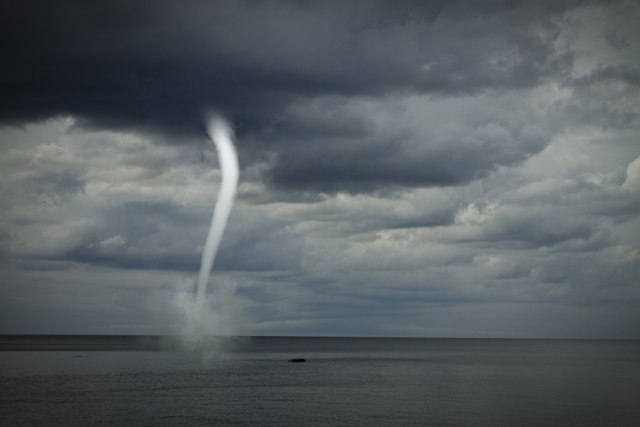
(408, 168)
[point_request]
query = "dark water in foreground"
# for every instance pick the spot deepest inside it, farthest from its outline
(345, 381)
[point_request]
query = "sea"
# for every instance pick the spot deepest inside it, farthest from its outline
(249, 381)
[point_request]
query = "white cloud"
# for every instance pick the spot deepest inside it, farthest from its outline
(632, 179)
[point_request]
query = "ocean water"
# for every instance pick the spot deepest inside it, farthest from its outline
(142, 381)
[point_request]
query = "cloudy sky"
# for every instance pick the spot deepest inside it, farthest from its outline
(408, 168)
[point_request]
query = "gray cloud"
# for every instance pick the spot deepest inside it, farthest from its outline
(410, 141)
(153, 67)
(408, 168)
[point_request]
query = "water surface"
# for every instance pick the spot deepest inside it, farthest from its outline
(59, 380)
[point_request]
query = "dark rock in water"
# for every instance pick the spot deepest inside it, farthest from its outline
(300, 360)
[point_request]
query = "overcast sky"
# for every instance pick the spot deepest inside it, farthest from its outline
(408, 168)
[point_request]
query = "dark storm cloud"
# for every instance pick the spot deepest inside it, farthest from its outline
(599, 96)
(409, 142)
(153, 66)
(623, 73)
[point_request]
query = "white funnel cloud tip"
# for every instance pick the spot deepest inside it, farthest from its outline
(217, 126)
